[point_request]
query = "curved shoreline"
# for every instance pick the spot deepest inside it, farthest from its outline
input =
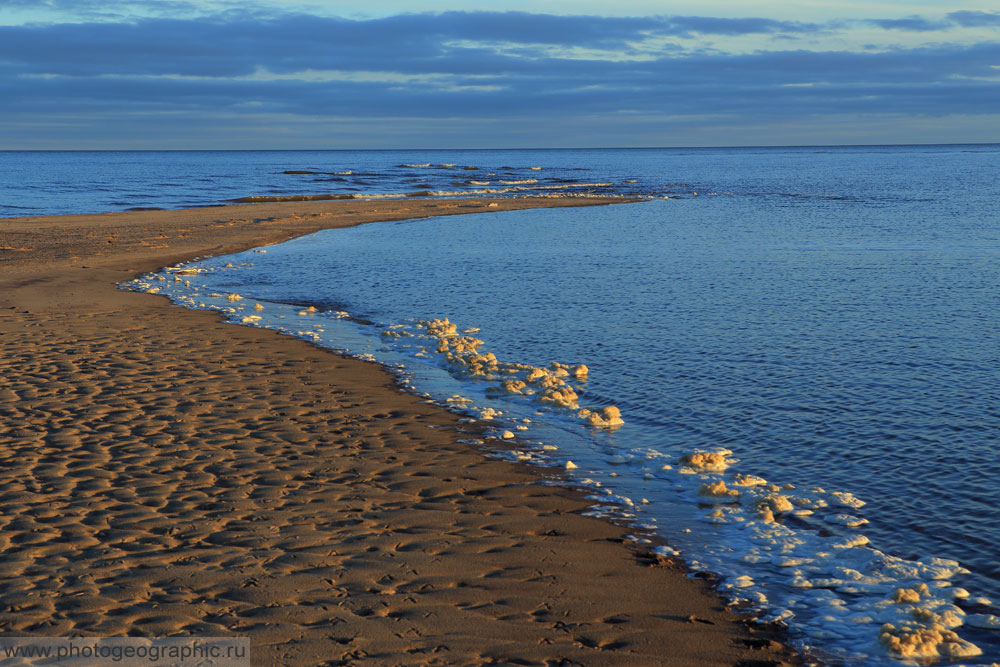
(308, 478)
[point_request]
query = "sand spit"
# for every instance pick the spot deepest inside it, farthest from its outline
(169, 474)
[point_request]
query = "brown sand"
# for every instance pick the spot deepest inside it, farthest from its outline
(167, 474)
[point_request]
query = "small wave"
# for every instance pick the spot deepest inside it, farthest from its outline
(257, 199)
(570, 185)
(260, 199)
(424, 164)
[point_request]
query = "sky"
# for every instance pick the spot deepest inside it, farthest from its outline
(385, 74)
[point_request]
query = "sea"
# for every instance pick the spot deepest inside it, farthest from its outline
(792, 354)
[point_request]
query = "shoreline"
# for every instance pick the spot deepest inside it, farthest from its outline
(219, 480)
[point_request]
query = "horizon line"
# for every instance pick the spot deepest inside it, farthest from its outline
(520, 148)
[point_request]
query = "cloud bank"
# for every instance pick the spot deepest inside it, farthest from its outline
(491, 79)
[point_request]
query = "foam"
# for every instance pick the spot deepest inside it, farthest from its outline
(800, 545)
(464, 356)
(708, 461)
(984, 621)
(718, 490)
(933, 641)
(845, 499)
(749, 480)
(911, 595)
(609, 417)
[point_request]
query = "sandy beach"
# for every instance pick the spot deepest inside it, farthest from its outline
(165, 473)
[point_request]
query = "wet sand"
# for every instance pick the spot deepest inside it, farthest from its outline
(165, 473)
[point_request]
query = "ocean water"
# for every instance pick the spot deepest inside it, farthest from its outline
(67, 182)
(822, 322)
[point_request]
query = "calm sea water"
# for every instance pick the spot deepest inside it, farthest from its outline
(61, 182)
(829, 315)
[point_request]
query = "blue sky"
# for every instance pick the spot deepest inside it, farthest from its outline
(119, 74)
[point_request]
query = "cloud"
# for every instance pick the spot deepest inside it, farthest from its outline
(505, 68)
(738, 26)
(61, 11)
(910, 23)
(226, 45)
(975, 19)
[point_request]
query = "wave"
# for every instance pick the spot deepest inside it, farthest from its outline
(258, 199)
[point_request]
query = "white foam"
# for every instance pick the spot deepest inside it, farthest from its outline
(985, 621)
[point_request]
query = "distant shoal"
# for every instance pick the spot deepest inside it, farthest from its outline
(168, 474)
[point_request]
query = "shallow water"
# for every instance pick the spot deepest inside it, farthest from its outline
(830, 316)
